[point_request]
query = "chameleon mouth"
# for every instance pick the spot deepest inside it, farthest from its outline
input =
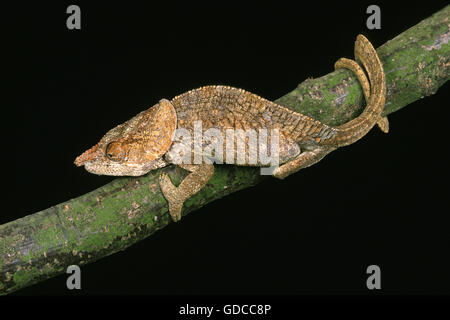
(86, 156)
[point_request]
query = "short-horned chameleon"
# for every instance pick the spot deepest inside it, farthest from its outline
(146, 142)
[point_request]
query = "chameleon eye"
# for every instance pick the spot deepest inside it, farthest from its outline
(114, 151)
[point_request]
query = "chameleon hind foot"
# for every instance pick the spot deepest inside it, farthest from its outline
(193, 183)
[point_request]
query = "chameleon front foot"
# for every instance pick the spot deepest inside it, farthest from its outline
(193, 183)
(172, 196)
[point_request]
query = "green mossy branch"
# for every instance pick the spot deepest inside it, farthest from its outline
(127, 210)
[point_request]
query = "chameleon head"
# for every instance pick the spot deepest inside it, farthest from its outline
(134, 147)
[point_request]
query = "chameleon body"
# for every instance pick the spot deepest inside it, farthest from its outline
(147, 141)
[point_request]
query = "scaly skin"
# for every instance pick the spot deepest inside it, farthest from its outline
(147, 141)
(355, 129)
(225, 107)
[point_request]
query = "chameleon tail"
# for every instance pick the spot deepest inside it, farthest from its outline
(353, 130)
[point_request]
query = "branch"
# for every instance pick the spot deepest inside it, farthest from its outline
(127, 210)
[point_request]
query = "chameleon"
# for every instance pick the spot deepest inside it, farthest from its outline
(147, 141)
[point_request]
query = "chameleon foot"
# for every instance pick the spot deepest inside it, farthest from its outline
(193, 183)
(171, 195)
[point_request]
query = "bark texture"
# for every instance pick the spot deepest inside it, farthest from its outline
(127, 210)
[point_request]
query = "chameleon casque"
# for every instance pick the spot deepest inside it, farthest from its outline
(146, 142)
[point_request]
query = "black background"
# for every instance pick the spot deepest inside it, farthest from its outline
(380, 201)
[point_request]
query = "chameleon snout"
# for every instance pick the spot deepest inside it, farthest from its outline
(86, 156)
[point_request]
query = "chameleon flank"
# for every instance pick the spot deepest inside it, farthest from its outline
(147, 141)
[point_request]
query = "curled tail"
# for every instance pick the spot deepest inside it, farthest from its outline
(374, 93)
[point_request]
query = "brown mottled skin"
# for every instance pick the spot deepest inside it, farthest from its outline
(147, 141)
